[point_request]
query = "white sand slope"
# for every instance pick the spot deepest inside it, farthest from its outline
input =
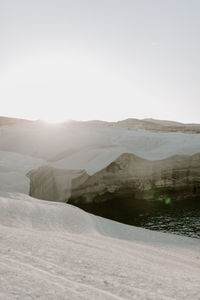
(11, 181)
(116, 141)
(21, 163)
(78, 147)
(56, 251)
(48, 141)
(13, 169)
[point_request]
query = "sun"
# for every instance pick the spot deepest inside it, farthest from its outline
(55, 114)
(53, 120)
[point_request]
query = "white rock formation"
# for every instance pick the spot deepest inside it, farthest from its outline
(13, 169)
(128, 177)
(48, 183)
(56, 251)
(86, 145)
(131, 177)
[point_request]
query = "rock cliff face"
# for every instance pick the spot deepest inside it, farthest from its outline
(128, 177)
(131, 177)
(53, 184)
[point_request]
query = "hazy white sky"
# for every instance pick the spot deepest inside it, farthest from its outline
(100, 59)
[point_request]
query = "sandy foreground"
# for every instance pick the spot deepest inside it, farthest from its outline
(56, 251)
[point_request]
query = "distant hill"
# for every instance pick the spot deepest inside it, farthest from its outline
(130, 123)
(163, 122)
(13, 121)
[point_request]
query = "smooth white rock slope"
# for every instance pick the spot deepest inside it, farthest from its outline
(56, 251)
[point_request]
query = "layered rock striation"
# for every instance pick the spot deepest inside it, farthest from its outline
(128, 177)
(131, 177)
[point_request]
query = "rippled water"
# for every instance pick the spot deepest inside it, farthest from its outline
(182, 218)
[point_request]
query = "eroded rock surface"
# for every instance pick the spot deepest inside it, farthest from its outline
(128, 177)
(131, 177)
(53, 184)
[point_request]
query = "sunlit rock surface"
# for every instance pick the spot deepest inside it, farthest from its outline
(56, 251)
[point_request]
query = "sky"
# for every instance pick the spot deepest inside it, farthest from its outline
(100, 59)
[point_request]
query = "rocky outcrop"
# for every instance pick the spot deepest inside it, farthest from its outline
(53, 184)
(131, 177)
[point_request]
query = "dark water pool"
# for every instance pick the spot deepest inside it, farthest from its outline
(182, 218)
(179, 219)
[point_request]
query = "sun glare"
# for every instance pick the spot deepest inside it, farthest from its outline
(49, 87)
(52, 120)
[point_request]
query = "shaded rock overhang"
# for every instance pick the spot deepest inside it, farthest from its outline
(131, 177)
